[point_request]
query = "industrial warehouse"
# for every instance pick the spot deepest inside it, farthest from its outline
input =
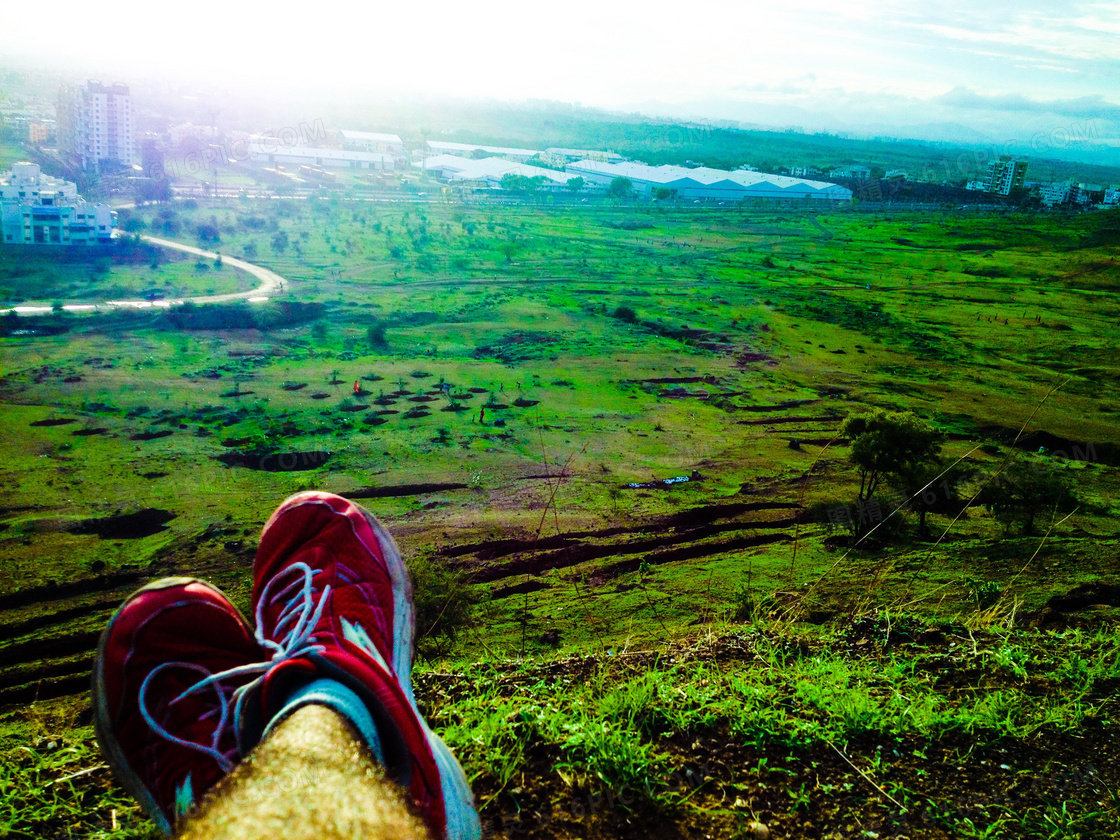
(705, 183)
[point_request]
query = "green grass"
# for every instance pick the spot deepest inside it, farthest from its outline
(520, 303)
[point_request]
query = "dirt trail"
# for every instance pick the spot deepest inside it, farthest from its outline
(270, 284)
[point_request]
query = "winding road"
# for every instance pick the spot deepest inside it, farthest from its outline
(270, 284)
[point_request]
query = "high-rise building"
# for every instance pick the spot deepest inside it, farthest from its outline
(1005, 175)
(96, 125)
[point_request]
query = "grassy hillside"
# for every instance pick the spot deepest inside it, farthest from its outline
(531, 381)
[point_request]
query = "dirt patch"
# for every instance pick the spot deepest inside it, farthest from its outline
(38, 649)
(394, 490)
(521, 402)
(768, 421)
(1055, 445)
(127, 526)
(581, 552)
(294, 386)
(151, 475)
(1086, 596)
(276, 461)
(58, 591)
(152, 435)
(353, 408)
(319, 396)
(60, 421)
(782, 406)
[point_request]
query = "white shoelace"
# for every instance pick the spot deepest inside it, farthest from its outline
(296, 620)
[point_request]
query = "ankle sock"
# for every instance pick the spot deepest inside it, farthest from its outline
(334, 695)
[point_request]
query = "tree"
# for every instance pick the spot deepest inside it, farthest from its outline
(620, 187)
(208, 232)
(512, 182)
(932, 487)
(889, 446)
(375, 335)
(280, 241)
(575, 184)
(1019, 493)
(662, 193)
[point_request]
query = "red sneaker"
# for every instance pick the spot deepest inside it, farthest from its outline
(167, 666)
(333, 599)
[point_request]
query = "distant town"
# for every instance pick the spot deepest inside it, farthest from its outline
(93, 136)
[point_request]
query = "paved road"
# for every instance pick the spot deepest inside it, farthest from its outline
(270, 284)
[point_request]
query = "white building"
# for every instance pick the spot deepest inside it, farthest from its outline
(97, 124)
(556, 156)
(1111, 196)
(26, 184)
(438, 147)
(370, 141)
(273, 153)
(490, 171)
(861, 172)
(1053, 194)
(704, 183)
(188, 130)
(36, 209)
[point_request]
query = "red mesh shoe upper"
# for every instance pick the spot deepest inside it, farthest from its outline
(332, 598)
(169, 749)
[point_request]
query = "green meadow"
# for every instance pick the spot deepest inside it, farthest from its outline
(609, 441)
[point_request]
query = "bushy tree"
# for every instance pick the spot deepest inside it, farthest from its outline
(620, 187)
(375, 335)
(888, 445)
(575, 184)
(1022, 491)
(444, 606)
(208, 232)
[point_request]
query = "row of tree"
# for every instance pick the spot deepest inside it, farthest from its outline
(903, 452)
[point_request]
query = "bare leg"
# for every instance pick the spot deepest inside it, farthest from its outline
(310, 779)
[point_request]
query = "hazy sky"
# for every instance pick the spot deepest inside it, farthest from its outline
(992, 66)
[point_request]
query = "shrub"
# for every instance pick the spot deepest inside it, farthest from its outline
(443, 604)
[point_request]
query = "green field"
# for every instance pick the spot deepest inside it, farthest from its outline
(528, 377)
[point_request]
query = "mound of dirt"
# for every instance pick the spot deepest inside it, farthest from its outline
(293, 386)
(152, 435)
(127, 526)
(276, 461)
(60, 421)
(393, 490)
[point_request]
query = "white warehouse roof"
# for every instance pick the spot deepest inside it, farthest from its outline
(709, 183)
(440, 146)
(455, 168)
(263, 150)
(371, 137)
